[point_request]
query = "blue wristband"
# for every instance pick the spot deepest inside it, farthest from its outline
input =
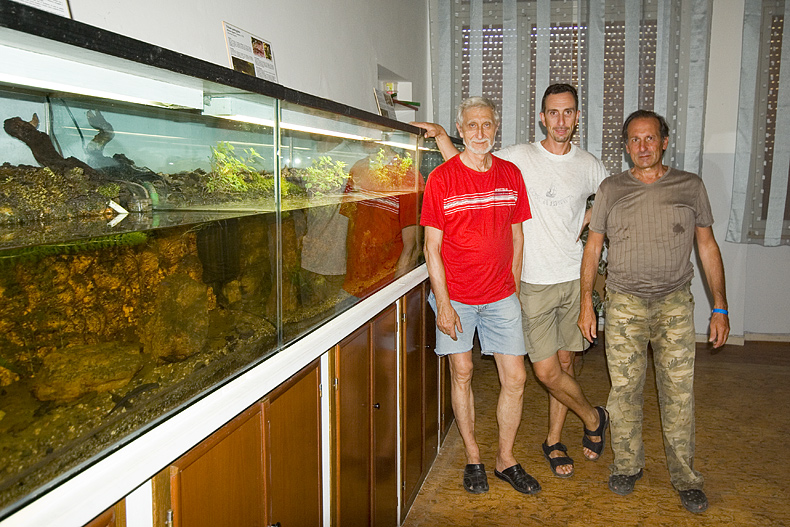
(722, 311)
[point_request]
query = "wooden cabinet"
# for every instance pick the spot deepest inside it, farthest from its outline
(365, 413)
(220, 482)
(263, 467)
(292, 439)
(420, 410)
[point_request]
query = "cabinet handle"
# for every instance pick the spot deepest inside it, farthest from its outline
(376, 406)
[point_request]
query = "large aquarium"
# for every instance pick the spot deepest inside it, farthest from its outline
(166, 224)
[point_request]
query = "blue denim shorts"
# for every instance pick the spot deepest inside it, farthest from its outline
(498, 326)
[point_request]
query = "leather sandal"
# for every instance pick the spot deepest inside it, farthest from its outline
(475, 480)
(597, 448)
(519, 479)
(558, 461)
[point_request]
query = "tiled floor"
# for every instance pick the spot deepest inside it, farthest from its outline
(743, 426)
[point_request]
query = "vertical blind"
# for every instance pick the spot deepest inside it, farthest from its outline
(621, 55)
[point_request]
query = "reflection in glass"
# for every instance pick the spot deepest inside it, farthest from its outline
(151, 253)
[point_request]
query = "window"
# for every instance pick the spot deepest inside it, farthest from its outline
(613, 51)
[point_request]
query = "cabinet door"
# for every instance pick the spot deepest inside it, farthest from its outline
(385, 418)
(412, 378)
(220, 482)
(443, 375)
(352, 425)
(430, 383)
(292, 419)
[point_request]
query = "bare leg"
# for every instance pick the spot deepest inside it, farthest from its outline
(564, 388)
(512, 376)
(558, 411)
(461, 369)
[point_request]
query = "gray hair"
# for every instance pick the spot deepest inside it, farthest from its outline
(475, 102)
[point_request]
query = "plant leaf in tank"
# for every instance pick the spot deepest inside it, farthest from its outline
(324, 176)
(232, 172)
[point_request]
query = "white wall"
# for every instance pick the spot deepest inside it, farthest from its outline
(758, 278)
(326, 48)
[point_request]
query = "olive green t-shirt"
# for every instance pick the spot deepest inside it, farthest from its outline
(651, 230)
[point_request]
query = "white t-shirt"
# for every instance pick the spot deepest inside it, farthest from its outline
(558, 187)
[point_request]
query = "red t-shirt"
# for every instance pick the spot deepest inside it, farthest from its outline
(475, 212)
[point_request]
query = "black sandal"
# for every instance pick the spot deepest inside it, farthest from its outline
(475, 480)
(557, 461)
(588, 443)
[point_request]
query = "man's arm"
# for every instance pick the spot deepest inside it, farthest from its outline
(446, 146)
(588, 321)
(710, 255)
(518, 253)
(447, 320)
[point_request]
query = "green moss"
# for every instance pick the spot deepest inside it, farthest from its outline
(37, 252)
(109, 190)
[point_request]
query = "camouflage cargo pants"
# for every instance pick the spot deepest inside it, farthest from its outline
(667, 324)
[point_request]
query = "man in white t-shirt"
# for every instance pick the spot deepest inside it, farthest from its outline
(559, 178)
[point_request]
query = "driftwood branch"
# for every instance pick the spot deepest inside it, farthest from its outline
(41, 147)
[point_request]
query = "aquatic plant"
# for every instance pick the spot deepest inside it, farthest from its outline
(324, 175)
(391, 169)
(231, 172)
(37, 252)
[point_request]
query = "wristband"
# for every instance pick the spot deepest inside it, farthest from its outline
(722, 311)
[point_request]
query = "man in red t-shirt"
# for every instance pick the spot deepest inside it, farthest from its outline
(473, 208)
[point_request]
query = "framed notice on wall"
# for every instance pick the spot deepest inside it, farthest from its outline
(385, 104)
(58, 7)
(250, 54)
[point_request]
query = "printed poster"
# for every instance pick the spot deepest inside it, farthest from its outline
(250, 54)
(58, 7)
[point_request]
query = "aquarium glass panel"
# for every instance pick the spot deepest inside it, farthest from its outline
(350, 200)
(161, 233)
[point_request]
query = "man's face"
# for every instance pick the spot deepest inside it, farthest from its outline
(644, 143)
(560, 117)
(478, 130)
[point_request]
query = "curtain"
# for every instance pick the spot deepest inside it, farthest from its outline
(760, 211)
(621, 55)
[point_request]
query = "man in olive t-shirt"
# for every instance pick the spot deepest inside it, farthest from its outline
(652, 214)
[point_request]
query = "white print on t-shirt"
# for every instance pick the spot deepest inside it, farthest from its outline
(501, 197)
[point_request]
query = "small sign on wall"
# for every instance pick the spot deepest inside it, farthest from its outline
(58, 7)
(384, 103)
(250, 54)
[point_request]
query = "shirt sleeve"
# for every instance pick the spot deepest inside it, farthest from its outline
(432, 215)
(600, 173)
(522, 212)
(599, 211)
(704, 214)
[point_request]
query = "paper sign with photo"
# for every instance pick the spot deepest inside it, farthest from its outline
(58, 7)
(250, 54)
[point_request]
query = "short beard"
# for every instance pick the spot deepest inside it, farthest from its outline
(477, 151)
